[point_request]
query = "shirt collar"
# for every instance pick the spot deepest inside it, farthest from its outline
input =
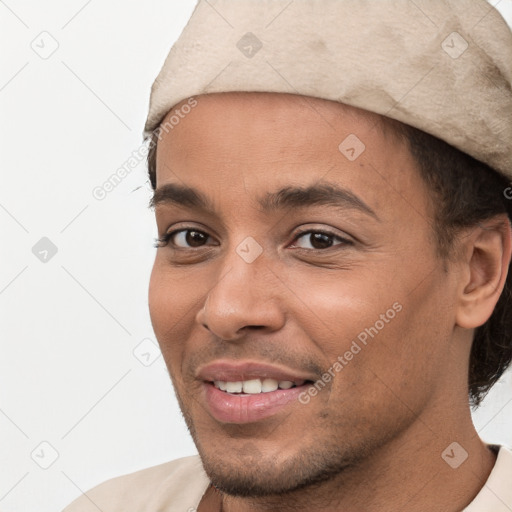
(496, 494)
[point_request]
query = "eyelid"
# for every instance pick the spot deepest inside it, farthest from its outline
(164, 240)
(344, 240)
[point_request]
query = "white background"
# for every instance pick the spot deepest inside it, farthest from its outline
(70, 325)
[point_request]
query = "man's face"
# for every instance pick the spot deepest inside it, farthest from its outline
(283, 294)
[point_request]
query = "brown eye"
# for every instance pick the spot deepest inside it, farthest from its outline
(183, 239)
(320, 239)
(188, 236)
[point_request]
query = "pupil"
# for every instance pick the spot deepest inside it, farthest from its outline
(194, 238)
(322, 239)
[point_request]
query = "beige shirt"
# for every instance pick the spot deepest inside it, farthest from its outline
(179, 485)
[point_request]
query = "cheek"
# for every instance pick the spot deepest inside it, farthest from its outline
(376, 384)
(171, 309)
(171, 295)
(159, 300)
(376, 337)
(399, 364)
(333, 310)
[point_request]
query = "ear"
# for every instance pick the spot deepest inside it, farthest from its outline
(487, 256)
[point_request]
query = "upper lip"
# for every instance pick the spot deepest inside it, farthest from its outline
(234, 371)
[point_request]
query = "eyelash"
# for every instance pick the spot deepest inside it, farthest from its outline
(163, 241)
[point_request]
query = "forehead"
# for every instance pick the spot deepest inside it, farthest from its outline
(298, 122)
(263, 141)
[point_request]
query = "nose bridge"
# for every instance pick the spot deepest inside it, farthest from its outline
(245, 259)
(241, 273)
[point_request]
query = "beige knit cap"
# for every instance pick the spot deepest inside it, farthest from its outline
(443, 66)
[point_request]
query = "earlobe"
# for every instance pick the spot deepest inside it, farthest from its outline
(489, 252)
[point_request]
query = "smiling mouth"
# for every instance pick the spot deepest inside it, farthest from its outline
(245, 404)
(256, 386)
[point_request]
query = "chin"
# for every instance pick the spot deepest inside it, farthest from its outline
(245, 474)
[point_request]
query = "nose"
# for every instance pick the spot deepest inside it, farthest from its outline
(245, 296)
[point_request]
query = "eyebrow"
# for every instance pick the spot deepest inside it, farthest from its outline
(322, 193)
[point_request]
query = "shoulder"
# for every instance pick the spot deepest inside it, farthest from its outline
(176, 485)
(496, 494)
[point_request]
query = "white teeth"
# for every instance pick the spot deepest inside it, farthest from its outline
(269, 385)
(220, 384)
(255, 386)
(252, 386)
(234, 387)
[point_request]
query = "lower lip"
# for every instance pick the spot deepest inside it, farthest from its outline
(231, 408)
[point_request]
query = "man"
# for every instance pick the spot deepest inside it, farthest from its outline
(331, 279)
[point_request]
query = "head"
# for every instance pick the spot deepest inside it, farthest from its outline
(389, 297)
